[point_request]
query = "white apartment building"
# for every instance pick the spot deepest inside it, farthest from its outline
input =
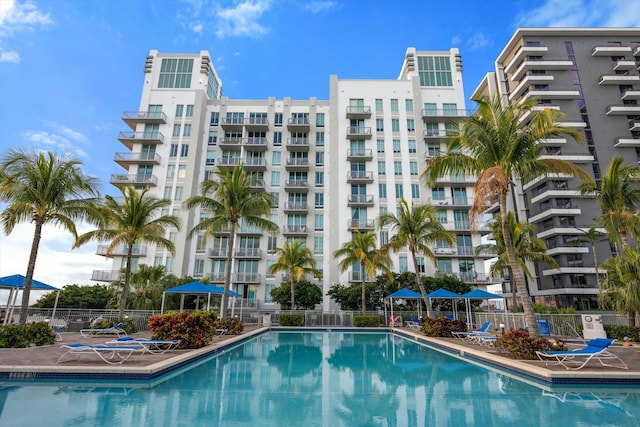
(333, 166)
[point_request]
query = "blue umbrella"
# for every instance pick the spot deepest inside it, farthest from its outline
(15, 283)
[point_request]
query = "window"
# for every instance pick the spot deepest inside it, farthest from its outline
(437, 194)
(173, 150)
(320, 120)
(211, 158)
(384, 237)
(382, 167)
(179, 110)
(319, 201)
(275, 179)
(320, 158)
(272, 244)
(396, 145)
(413, 168)
(215, 119)
(167, 193)
(444, 266)
(176, 130)
(182, 171)
(434, 71)
(168, 266)
(175, 73)
(187, 130)
(415, 191)
(399, 191)
(379, 105)
(382, 191)
(411, 125)
(277, 120)
(408, 103)
(184, 150)
(171, 171)
(380, 145)
(200, 243)
(277, 139)
(402, 264)
(189, 111)
(395, 125)
(318, 222)
(319, 139)
(441, 216)
(430, 109)
(394, 105)
(397, 168)
(319, 179)
(412, 146)
(268, 275)
(276, 158)
(379, 125)
(213, 137)
(318, 245)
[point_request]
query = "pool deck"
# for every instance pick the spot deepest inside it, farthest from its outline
(42, 362)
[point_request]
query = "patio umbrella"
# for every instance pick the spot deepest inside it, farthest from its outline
(195, 288)
(403, 293)
(446, 294)
(15, 283)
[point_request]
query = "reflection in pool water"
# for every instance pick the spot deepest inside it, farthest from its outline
(319, 379)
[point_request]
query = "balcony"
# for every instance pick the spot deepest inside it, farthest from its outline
(554, 212)
(630, 94)
(247, 230)
(298, 144)
(255, 143)
(298, 124)
(247, 278)
(253, 253)
(106, 275)
(217, 253)
(358, 132)
(294, 230)
(150, 180)
(230, 143)
(551, 94)
(559, 193)
(610, 51)
(636, 52)
(627, 142)
(361, 225)
(527, 81)
(438, 136)
(297, 164)
(229, 162)
(430, 115)
(528, 114)
(360, 177)
(487, 253)
(569, 157)
(257, 184)
(356, 277)
(293, 207)
(256, 123)
(622, 110)
(232, 123)
(540, 64)
(127, 158)
(624, 65)
(132, 118)
(217, 277)
(138, 251)
(296, 185)
(360, 200)
(129, 138)
(255, 164)
(358, 112)
(359, 154)
(522, 53)
(444, 251)
(618, 79)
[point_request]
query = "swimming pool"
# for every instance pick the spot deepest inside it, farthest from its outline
(319, 379)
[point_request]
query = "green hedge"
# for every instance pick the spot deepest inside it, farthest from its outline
(291, 320)
(366, 321)
(619, 332)
(21, 336)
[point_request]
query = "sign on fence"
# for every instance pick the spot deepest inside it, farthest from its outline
(592, 325)
(543, 327)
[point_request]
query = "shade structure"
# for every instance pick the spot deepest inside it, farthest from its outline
(15, 283)
(196, 288)
(446, 294)
(403, 293)
(478, 294)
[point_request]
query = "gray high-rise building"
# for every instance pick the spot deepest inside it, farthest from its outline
(592, 75)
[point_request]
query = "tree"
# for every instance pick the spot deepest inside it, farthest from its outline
(620, 288)
(309, 295)
(129, 221)
(527, 247)
(416, 228)
(146, 287)
(494, 145)
(591, 236)
(296, 259)
(230, 200)
(619, 198)
(75, 296)
(43, 188)
(362, 250)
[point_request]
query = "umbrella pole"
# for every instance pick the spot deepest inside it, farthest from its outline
(55, 307)
(162, 306)
(6, 312)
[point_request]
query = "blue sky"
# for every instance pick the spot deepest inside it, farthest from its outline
(68, 68)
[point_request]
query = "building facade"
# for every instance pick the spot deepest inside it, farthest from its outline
(333, 166)
(592, 76)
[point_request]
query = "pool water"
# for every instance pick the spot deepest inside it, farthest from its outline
(319, 379)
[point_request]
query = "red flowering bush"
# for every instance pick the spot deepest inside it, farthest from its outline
(233, 325)
(441, 326)
(518, 344)
(194, 330)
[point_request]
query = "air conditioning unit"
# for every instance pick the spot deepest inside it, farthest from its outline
(428, 157)
(442, 202)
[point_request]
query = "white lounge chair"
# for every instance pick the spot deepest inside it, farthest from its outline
(596, 349)
(482, 330)
(112, 354)
(152, 346)
(116, 329)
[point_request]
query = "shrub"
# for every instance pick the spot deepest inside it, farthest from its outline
(366, 321)
(518, 344)
(441, 326)
(291, 320)
(129, 326)
(619, 332)
(21, 336)
(233, 325)
(194, 330)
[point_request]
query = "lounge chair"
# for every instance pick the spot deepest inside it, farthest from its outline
(152, 346)
(596, 349)
(112, 354)
(116, 329)
(482, 330)
(412, 324)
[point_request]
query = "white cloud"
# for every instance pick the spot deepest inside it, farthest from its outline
(478, 41)
(242, 19)
(197, 28)
(61, 139)
(582, 13)
(456, 40)
(17, 17)
(320, 6)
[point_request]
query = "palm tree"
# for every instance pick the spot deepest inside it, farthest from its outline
(296, 259)
(230, 199)
(416, 228)
(146, 287)
(591, 236)
(620, 288)
(362, 250)
(527, 247)
(128, 221)
(495, 146)
(43, 188)
(619, 198)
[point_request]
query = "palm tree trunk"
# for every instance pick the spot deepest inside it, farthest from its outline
(529, 315)
(227, 272)
(125, 287)
(364, 298)
(595, 262)
(632, 319)
(293, 296)
(423, 291)
(514, 294)
(28, 278)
